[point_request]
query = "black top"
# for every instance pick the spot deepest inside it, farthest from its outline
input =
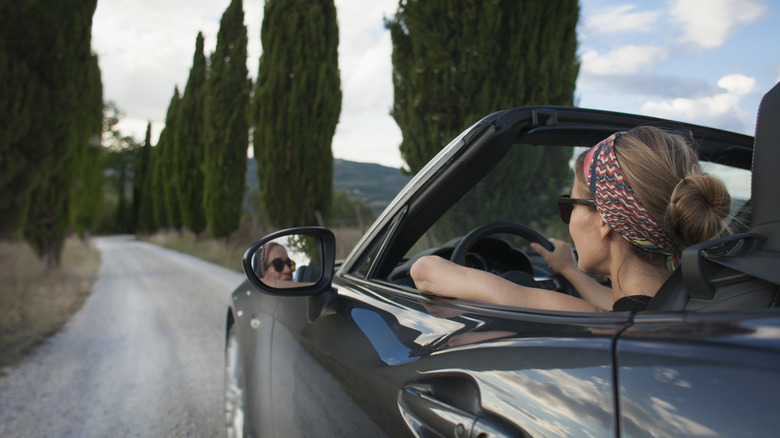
(632, 302)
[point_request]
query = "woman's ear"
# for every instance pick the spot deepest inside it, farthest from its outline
(605, 231)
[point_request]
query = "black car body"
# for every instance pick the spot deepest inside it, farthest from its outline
(358, 351)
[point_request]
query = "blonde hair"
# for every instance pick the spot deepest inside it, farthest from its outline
(663, 171)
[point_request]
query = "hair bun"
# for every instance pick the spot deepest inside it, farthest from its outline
(698, 208)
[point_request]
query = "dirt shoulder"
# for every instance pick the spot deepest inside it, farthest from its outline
(35, 302)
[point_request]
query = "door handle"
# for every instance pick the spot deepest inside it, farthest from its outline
(455, 413)
(428, 417)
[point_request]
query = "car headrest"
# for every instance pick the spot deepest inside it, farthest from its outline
(308, 273)
(766, 161)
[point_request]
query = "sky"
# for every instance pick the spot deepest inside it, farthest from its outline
(701, 61)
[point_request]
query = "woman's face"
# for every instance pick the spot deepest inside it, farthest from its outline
(277, 252)
(584, 228)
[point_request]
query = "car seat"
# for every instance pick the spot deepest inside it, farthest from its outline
(741, 271)
(308, 273)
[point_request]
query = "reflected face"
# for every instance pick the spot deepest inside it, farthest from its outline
(270, 272)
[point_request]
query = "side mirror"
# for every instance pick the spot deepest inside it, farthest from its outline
(293, 262)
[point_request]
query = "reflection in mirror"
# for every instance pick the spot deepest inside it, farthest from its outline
(289, 261)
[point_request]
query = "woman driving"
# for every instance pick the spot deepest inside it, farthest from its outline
(639, 198)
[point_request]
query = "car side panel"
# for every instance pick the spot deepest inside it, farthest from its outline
(253, 316)
(372, 362)
(704, 375)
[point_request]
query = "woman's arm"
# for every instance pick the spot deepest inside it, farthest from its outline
(562, 261)
(437, 276)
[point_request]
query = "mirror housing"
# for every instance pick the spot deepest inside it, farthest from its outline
(313, 251)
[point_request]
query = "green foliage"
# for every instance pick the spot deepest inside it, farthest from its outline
(528, 199)
(168, 203)
(189, 144)
(455, 61)
(226, 128)
(373, 184)
(88, 187)
(119, 171)
(154, 190)
(120, 163)
(348, 211)
(88, 195)
(143, 207)
(297, 103)
(17, 96)
(52, 80)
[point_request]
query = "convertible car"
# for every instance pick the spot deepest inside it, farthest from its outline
(351, 348)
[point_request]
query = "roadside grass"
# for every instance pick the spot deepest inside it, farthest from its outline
(35, 302)
(228, 252)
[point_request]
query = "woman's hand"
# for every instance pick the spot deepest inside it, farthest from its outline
(561, 259)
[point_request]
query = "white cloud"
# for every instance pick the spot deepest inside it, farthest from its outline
(365, 131)
(368, 137)
(621, 19)
(624, 60)
(737, 84)
(719, 110)
(709, 23)
(144, 54)
(368, 84)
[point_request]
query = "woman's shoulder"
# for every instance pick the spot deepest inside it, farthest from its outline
(632, 302)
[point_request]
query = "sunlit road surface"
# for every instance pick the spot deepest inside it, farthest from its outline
(143, 357)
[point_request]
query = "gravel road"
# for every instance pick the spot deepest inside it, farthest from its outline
(143, 357)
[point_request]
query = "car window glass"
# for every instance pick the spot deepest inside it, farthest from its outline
(521, 188)
(738, 183)
(362, 267)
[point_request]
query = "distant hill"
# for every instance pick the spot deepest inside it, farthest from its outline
(375, 185)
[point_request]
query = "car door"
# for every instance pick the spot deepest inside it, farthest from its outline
(693, 374)
(374, 360)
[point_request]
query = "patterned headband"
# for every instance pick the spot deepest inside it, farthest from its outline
(617, 204)
(264, 254)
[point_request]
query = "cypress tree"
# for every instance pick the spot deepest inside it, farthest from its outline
(456, 61)
(17, 97)
(45, 64)
(168, 203)
(88, 192)
(88, 196)
(227, 129)
(190, 144)
(61, 57)
(124, 159)
(143, 209)
(156, 190)
(297, 102)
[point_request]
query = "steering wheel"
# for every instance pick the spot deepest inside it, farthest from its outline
(524, 231)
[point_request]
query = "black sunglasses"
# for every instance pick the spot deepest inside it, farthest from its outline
(279, 264)
(566, 205)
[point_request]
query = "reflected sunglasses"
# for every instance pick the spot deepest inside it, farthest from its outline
(279, 264)
(566, 205)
